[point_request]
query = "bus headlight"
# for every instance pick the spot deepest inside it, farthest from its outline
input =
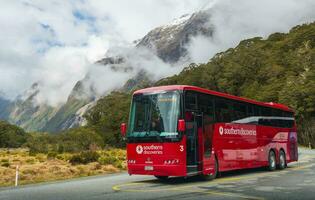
(132, 161)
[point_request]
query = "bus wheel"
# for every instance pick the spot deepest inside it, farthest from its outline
(162, 178)
(272, 160)
(282, 161)
(209, 177)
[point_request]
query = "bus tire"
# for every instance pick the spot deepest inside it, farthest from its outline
(162, 178)
(209, 177)
(272, 160)
(282, 160)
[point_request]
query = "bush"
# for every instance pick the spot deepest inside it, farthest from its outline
(84, 157)
(40, 157)
(5, 164)
(11, 136)
(30, 161)
(113, 157)
(52, 155)
(64, 156)
(107, 160)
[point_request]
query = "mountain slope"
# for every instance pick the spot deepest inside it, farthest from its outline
(66, 116)
(26, 112)
(280, 68)
(5, 107)
(170, 41)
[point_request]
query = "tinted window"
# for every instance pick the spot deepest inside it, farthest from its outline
(276, 112)
(223, 110)
(206, 104)
(240, 111)
(191, 101)
(266, 111)
(280, 122)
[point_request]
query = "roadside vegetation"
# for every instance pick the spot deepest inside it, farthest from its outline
(41, 167)
(47, 157)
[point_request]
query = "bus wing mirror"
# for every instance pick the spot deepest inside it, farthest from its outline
(123, 129)
(181, 125)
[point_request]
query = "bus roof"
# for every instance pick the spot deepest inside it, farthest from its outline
(211, 92)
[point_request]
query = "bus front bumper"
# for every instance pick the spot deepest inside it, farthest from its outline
(157, 170)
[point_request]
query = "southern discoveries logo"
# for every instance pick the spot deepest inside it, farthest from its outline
(149, 149)
(236, 131)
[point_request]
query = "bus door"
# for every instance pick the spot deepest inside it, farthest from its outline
(192, 127)
(206, 148)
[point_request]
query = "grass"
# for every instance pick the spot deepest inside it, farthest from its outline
(41, 168)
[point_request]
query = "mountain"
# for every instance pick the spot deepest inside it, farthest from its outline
(169, 41)
(5, 106)
(26, 112)
(68, 115)
(280, 68)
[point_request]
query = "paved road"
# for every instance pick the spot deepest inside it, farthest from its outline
(295, 182)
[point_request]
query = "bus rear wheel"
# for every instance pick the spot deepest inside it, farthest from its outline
(162, 178)
(282, 160)
(272, 160)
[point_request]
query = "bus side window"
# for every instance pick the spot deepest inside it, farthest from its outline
(223, 110)
(191, 101)
(250, 110)
(277, 113)
(239, 111)
(266, 111)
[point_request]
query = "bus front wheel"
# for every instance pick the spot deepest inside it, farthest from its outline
(272, 160)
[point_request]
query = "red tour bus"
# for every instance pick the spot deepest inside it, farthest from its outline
(181, 130)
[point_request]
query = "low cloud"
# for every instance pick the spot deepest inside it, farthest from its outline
(234, 21)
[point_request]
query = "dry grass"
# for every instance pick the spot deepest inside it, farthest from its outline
(39, 168)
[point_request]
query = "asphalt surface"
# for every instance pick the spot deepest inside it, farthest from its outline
(295, 182)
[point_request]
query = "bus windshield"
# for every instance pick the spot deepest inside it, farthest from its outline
(154, 115)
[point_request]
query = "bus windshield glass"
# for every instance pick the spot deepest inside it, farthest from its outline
(154, 115)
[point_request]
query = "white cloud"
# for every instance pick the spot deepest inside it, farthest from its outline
(234, 21)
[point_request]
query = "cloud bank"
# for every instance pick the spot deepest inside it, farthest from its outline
(242, 19)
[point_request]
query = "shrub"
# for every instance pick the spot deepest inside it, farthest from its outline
(107, 160)
(30, 161)
(4, 160)
(11, 136)
(5, 164)
(41, 157)
(112, 157)
(84, 157)
(64, 156)
(52, 155)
